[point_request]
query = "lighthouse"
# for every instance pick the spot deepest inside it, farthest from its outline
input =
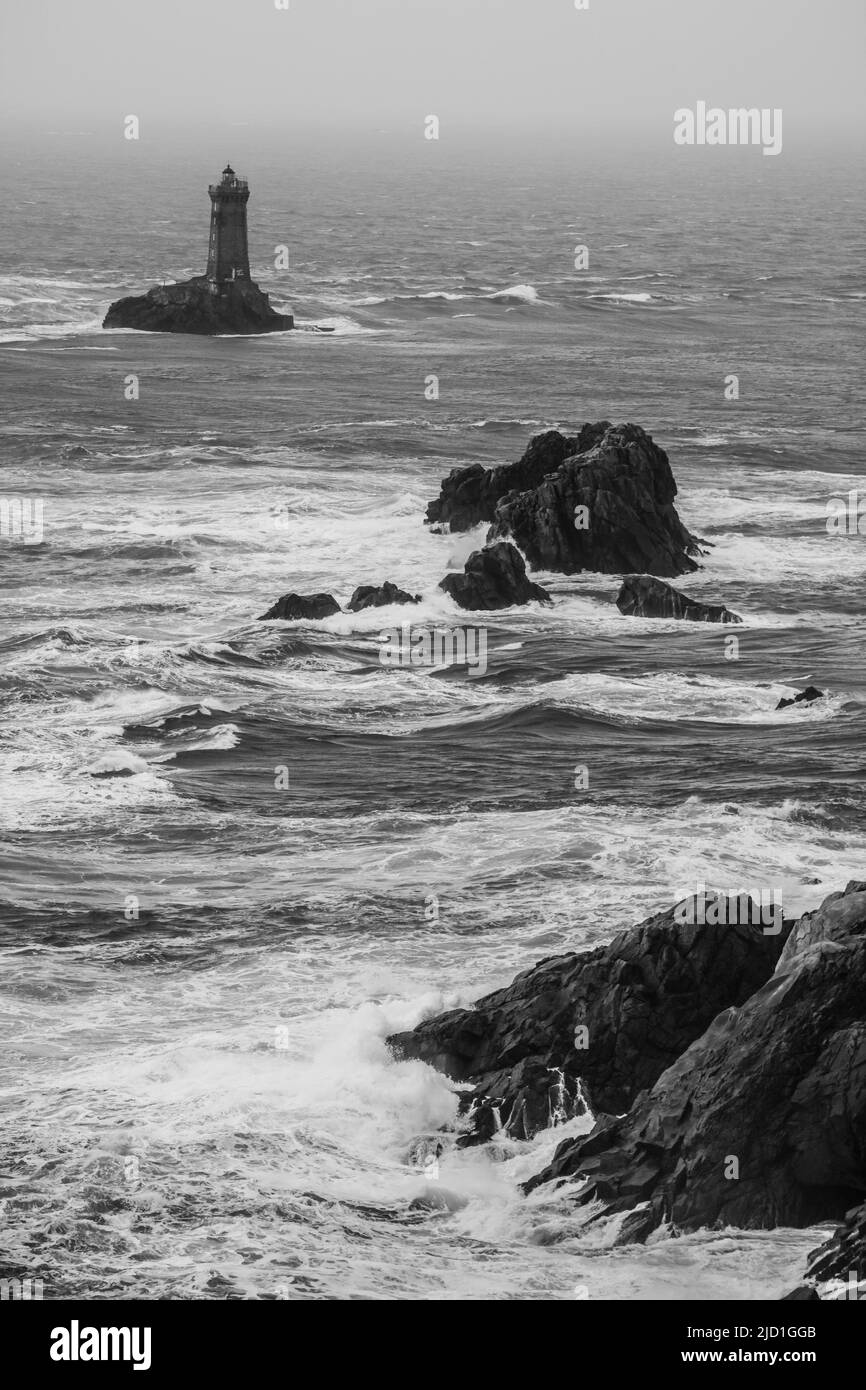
(223, 300)
(228, 254)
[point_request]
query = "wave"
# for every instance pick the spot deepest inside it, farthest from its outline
(65, 307)
(219, 739)
(516, 294)
(116, 764)
(507, 423)
(340, 325)
(22, 641)
(640, 297)
(31, 332)
(511, 295)
(178, 721)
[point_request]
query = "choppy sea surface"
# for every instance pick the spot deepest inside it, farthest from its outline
(222, 839)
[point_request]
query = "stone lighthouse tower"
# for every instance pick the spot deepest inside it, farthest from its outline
(223, 300)
(228, 256)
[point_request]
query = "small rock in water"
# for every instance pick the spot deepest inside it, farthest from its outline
(378, 596)
(310, 606)
(494, 577)
(642, 596)
(804, 697)
(438, 1199)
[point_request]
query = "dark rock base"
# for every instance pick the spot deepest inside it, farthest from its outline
(611, 1019)
(641, 596)
(762, 1121)
(309, 606)
(379, 596)
(494, 577)
(192, 306)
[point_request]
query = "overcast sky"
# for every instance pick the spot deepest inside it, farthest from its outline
(622, 64)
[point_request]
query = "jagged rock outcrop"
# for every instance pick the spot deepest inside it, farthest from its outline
(835, 920)
(494, 577)
(641, 999)
(838, 1267)
(609, 509)
(761, 1121)
(642, 596)
(804, 697)
(379, 596)
(469, 495)
(190, 306)
(309, 606)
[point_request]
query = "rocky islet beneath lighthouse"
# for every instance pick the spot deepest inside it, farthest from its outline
(225, 299)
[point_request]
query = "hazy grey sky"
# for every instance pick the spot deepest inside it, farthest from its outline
(623, 64)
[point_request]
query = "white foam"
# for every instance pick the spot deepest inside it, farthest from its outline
(637, 298)
(118, 761)
(524, 294)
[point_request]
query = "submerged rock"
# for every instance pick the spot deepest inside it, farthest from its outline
(378, 596)
(199, 306)
(494, 577)
(804, 697)
(762, 1121)
(609, 509)
(612, 1019)
(309, 606)
(641, 596)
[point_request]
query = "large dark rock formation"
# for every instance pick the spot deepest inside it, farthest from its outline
(803, 697)
(642, 1000)
(469, 495)
(601, 500)
(494, 577)
(629, 523)
(778, 1085)
(641, 596)
(379, 596)
(190, 306)
(309, 606)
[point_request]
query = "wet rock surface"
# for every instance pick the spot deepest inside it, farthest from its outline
(494, 577)
(378, 596)
(762, 1120)
(191, 306)
(640, 1001)
(642, 596)
(469, 495)
(609, 509)
(309, 606)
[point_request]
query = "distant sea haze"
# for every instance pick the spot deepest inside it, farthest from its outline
(238, 854)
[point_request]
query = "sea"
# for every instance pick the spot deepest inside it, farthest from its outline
(237, 855)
